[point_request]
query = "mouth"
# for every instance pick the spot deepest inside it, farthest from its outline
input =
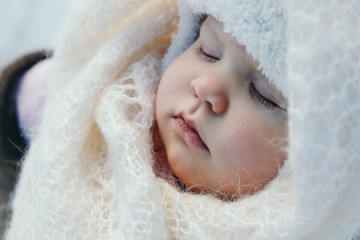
(187, 131)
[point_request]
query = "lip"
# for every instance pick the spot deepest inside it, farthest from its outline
(186, 129)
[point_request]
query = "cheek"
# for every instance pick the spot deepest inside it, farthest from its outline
(166, 88)
(166, 93)
(173, 83)
(253, 149)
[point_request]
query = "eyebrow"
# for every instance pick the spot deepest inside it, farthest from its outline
(202, 18)
(209, 29)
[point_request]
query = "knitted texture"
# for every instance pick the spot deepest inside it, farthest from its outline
(89, 173)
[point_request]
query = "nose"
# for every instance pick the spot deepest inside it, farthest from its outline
(211, 90)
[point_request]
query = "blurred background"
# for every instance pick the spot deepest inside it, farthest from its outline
(25, 26)
(28, 25)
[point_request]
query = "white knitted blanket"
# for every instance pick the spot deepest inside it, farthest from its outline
(89, 173)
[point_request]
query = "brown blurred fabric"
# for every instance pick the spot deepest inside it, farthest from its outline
(12, 144)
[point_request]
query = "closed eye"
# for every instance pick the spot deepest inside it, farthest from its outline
(254, 93)
(206, 56)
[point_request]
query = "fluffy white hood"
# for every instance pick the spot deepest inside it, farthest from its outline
(259, 25)
(89, 173)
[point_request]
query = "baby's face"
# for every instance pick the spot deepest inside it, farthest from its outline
(222, 123)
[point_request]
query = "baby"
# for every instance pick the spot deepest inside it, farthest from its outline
(135, 144)
(220, 121)
(219, 118)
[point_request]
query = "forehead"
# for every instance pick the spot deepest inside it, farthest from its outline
(211, 25)
(212, 28)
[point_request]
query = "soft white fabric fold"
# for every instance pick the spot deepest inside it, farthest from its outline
(89, 173)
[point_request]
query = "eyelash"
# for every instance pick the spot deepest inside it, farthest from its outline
(206, 57)
(252, 89)
(260, 99)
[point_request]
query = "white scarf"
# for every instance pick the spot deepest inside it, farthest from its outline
(89, 173)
